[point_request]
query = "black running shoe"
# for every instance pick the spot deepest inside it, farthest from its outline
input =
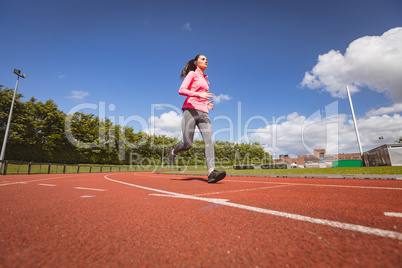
(216, 176)
(171, 158)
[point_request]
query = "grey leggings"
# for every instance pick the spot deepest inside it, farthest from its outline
(192, 118)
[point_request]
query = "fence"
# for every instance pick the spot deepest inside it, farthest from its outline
(21, 167)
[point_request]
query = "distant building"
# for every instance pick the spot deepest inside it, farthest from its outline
(384, 155)
(319, 160)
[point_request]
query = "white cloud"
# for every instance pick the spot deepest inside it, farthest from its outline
(220, 98)
(298, 135)
(396, 108)
(78, 95)
(371, 61)
(187, 27)
(62, 76)
(168, 124)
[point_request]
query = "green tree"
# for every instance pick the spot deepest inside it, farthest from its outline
(6, 96)
(41, 132)
(93, 139)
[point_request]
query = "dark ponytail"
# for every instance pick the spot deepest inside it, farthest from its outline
(190, 66)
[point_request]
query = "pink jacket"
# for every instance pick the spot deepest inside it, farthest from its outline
(193, 84)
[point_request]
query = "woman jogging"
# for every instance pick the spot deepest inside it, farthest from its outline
(195, 113)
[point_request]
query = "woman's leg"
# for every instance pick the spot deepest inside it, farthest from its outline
(188, 128)
(205, 127)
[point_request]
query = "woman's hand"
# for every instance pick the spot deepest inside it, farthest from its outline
(210, 106)
(205, 95)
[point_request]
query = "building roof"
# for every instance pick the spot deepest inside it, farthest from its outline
(389, 145)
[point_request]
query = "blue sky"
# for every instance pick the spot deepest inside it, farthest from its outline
(127, 56)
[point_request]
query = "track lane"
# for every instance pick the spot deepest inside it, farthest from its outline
(220, 201)
(125, 226)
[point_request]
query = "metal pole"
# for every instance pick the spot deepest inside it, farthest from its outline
(3, 149)
(163, 149)
(354, 122)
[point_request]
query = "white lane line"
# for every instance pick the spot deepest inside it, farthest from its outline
(25, 182)
(91, 189)
(87, 196)
(319, 185)
(223, 202)
(243, 190)
(212, 200)
(44, 184)
(393, 214)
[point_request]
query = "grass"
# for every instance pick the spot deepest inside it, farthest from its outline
(58, 169)
(343, 171)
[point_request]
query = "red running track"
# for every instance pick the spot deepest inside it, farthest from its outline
(154, 220)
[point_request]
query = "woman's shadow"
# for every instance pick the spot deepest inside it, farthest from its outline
(191, 179)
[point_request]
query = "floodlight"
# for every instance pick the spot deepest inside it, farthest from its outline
(3, 149)
(18, 72)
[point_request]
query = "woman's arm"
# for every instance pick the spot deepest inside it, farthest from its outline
(185, 91)
(184, 88)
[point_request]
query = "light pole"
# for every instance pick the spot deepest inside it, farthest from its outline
(163, 149)
(354, 122)
(3, 149)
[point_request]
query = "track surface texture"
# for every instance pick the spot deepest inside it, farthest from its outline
(155, 220)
